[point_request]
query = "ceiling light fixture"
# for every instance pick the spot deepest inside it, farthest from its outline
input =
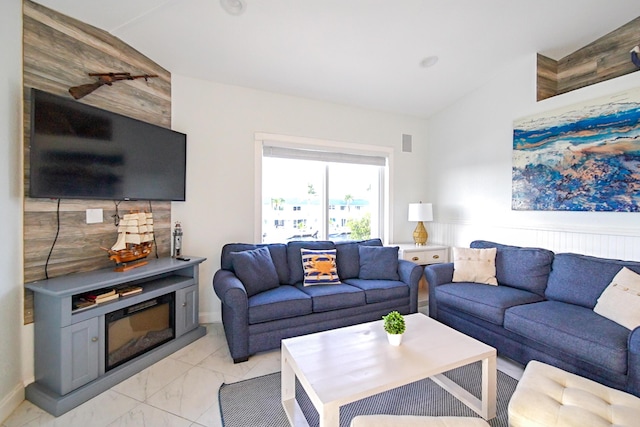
(234, 7)
(429, 61)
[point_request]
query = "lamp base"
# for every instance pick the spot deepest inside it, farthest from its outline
(420, 234)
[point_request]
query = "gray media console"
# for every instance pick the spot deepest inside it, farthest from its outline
(72, 355)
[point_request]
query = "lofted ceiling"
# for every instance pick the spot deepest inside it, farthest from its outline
(365, 53)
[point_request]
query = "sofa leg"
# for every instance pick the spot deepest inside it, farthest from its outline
(240, 359)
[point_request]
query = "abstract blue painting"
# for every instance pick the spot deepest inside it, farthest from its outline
(581, 158)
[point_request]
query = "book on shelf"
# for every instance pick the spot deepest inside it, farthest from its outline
(100, 294)
(129, 290)
(82, 304)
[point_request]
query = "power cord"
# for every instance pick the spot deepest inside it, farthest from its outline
(46, 265)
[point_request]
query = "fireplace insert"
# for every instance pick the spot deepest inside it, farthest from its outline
(137, 329)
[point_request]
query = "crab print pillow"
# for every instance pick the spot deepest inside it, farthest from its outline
(319, 267)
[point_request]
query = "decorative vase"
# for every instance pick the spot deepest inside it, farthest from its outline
(394, 339)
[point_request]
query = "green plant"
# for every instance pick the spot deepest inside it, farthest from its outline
(360, 228)
(394, 323)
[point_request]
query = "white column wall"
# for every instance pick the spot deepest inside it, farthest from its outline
(11, 295)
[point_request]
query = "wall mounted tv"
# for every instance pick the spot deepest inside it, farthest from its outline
(82, 152)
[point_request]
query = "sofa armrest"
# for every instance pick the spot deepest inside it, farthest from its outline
(229, 288)
(633, 362)
(235, 313)
(411, 273)
(436, 275)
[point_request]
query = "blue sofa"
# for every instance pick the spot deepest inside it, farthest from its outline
(543, 310)
(257, 317)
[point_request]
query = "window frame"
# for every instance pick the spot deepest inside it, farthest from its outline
(288, 141)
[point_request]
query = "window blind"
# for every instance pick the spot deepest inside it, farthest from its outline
(322, 156)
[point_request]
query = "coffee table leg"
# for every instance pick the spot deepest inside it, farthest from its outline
(485, 407)
(288, 392)
(489, 387)
(330, 416)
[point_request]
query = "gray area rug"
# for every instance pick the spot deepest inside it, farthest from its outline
(256, 402)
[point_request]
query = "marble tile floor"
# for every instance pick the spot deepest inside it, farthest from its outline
(179, 391)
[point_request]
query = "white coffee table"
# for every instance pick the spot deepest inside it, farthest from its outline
(343, 365)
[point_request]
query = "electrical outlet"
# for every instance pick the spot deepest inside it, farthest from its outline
(94, 216)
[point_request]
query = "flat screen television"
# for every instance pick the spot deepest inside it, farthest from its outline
(82, 152)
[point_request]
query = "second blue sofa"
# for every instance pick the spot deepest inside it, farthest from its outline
(542, 309)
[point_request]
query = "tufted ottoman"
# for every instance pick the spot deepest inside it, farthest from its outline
(415, 421)
(547, 396)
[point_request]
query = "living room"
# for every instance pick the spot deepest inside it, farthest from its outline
(465, 173)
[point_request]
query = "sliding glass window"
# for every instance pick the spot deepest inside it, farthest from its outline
(310, 194)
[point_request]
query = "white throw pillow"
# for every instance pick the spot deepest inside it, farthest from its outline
(475, 265)
(620, 301)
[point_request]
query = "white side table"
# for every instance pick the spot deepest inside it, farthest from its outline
(423, 255)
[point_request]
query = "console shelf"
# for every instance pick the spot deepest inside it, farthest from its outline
(70, 344)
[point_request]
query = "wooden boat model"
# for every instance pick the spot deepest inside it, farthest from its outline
(135, 241)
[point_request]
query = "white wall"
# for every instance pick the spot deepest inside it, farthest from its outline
(469, 162)
(11, 387)
(221, 121)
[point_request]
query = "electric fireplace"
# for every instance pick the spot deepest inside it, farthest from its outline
(137, 329)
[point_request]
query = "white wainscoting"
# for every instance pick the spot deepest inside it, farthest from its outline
(601, 242)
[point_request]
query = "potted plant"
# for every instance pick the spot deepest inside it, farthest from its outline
(394, 326)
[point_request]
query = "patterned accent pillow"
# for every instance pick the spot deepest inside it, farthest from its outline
(319, 267)
(620, 301)
(475, 265)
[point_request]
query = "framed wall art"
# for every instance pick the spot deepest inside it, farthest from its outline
(585, 157)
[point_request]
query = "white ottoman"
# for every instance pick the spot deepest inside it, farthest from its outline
(547, 396)
(415, 421)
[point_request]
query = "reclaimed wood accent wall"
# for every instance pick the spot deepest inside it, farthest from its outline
(58, 53)
(604, 59)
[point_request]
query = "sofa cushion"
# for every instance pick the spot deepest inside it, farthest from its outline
(378, 262)
(333, 297)
(486, 302)
(574, 330)
(255, 270)
(294, 257)
(348, 257)
(380, 290)
(474, 265)
(278, 256)
(518, 267)
(620, 301)
(319, 267)
(581, 279)
(278, 303)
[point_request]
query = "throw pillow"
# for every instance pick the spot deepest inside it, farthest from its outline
(475, 265)
(620, 301)
(256, 270)
(319, 267)
(378, 262)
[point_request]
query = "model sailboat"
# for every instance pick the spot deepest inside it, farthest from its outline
(135, 241)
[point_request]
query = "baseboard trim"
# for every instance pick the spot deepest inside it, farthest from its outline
(11, 401)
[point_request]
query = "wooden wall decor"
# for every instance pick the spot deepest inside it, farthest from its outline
(606, 58)
(58, 53)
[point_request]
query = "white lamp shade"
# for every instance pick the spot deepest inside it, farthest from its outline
(420, 212)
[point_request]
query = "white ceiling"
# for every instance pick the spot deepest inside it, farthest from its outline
(364, 53)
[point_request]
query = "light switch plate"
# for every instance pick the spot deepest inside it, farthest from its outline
(94, 216)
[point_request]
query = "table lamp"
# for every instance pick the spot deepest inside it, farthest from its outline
(420, 212)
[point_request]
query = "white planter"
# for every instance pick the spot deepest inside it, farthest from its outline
(394, 339)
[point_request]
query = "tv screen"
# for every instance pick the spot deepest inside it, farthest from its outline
(82, 152)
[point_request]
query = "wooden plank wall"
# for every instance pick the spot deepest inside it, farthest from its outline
(58, 53)
(604, 59)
